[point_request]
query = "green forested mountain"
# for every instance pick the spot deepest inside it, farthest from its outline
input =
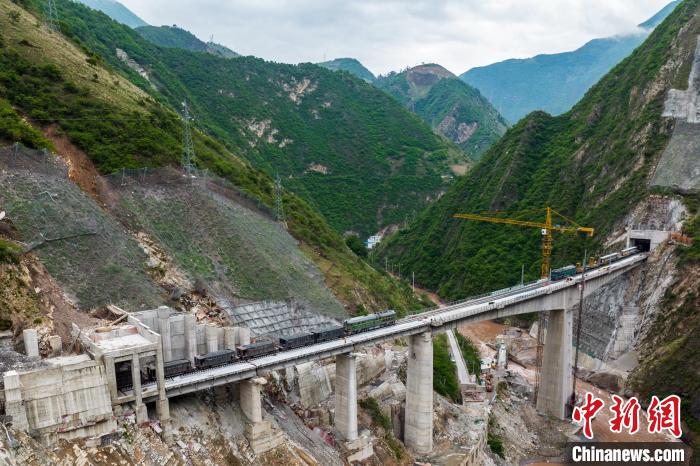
(351, 65)
(555, 82)
(48, 82)
(454, 109)
(173, 36)
(349, 149)
(591, 164)
(116, 11)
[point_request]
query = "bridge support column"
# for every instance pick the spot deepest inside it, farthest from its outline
(141, 412)
(555, 375)
(418, 428)
(166, 343)
(162, 404)
(346, 396)
(251, 403)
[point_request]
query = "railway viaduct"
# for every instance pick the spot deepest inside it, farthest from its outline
(36, 399)
(557, 298)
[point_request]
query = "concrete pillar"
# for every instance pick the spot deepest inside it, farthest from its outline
(31, 343)
(14, 406)
(162, 404)
(346, 396)
(243, 336)
(251, 404)
(165, 339)
(555, 375)
(418, 429)
(56, 345)
(111, 377)
(211, 334)
(190, 337)
(141, 412)
(229, 338)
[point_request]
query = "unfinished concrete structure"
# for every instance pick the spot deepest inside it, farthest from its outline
(62, 399)
(124, 350)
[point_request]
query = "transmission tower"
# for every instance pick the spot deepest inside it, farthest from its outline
(279, 208)
(187, 146)
(52, 16)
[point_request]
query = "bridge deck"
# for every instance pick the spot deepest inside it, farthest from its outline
(481, 308)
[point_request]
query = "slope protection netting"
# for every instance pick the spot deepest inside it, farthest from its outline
(240, 254)
(90, 254)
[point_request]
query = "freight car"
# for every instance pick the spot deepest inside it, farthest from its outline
(123, 376)
(296, 340)
(369, 322)
(564, 272)
(328, 333)
(629, 251)
(254, 350)
(609, 259)
(215, 358)
(176, 367)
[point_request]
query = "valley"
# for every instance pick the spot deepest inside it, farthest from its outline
(185, 277)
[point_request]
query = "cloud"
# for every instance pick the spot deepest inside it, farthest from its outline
(392, 34)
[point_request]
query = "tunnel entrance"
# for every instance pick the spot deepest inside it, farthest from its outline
(643, 245)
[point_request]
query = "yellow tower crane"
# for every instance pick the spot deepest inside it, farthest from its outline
(547, 239)
(547, 228)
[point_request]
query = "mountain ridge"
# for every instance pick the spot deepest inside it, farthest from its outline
(452, 108)
(555, 82)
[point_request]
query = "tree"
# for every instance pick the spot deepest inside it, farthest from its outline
(356, 245)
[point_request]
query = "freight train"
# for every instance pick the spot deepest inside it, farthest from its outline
(571, 270)
(263, 347)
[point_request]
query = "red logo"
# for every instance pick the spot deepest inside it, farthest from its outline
(626, 415)
(587, 412)
(665, 415)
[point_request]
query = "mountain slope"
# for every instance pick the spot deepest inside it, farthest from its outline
(592, 164)
(454, 109)
(321, 131)
(173, 36)
(116, 11)
(554, 83)
(50, 84)
(350, 65)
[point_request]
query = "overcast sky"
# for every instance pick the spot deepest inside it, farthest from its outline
(389, 35)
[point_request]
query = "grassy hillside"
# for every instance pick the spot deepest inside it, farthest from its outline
(175, 37)
(591, 164)
(452, 108)
(323, 132)
(50, 81)
(554, 83)
(350, 65)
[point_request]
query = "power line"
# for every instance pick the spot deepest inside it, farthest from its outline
(279, 208)
(52, 16)
(187, 146)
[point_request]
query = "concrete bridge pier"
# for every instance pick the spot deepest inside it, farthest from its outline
(555, 374)
(346, 396)
(418, 428)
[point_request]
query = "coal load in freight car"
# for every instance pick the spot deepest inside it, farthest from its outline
(176, 367)
(329, 333)
(296, 340)
(254, 350)
(215, 358)
(369, 322)
(564, 272)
